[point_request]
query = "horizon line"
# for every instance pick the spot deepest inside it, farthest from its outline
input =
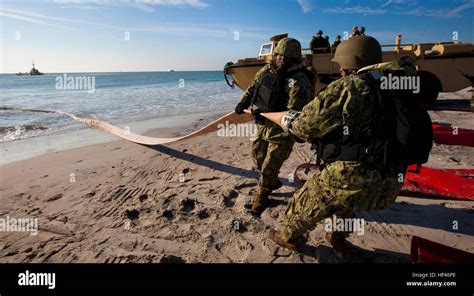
(154, 71)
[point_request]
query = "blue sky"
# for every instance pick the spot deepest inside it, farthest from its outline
(91, 35)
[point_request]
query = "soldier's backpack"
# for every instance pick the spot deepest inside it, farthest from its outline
(400, 132)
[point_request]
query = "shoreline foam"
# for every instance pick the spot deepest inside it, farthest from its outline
(36, 146)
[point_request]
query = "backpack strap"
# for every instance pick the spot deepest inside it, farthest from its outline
(363, 144)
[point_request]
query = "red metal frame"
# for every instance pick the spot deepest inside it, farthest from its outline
(447, 183)
(449, 136)
(426, 251)
(444, 183)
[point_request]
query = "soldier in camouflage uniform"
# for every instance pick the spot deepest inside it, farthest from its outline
(341, 187)
(272, 145)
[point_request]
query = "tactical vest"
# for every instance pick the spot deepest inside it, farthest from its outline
(269, 94)
(399, 132)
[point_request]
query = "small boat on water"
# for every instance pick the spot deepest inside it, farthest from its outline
(33, 72)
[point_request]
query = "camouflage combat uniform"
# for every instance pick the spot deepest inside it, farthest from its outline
(272, 145)
(341, 187)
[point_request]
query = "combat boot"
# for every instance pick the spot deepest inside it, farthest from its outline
(294, 245)
(260, 202)
(338, 243)
(278, 185)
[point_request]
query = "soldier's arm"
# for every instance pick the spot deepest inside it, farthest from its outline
(322, 115)
(300, 92)
(405, 63)
(246, 97)
(249, 92)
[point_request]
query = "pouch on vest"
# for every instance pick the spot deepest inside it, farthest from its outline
(269, 95)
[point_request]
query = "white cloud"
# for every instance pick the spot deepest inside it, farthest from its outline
(388, 3)
(32, 15)
(446, 13)
(405, 7)
(215, 30)
(397, 2)
(355, 10)
(192, 3)
(457, 10)
(305, 5)
(7, 14)
(146, 5)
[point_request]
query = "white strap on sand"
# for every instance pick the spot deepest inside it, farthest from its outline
(231, 117)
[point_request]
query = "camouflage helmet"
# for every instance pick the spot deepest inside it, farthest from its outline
(358, 52)
(288, 47)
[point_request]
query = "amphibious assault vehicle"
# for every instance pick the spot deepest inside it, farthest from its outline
(442, 67)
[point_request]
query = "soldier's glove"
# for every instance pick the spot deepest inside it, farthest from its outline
(287, 120)
(239, 109)
(259, 119)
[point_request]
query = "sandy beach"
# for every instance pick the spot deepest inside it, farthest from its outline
(189, 202)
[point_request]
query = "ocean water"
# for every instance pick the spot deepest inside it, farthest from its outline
(140, 101)
(116, 98)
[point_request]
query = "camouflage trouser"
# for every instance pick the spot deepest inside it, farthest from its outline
(340, 189)
(268, 157)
